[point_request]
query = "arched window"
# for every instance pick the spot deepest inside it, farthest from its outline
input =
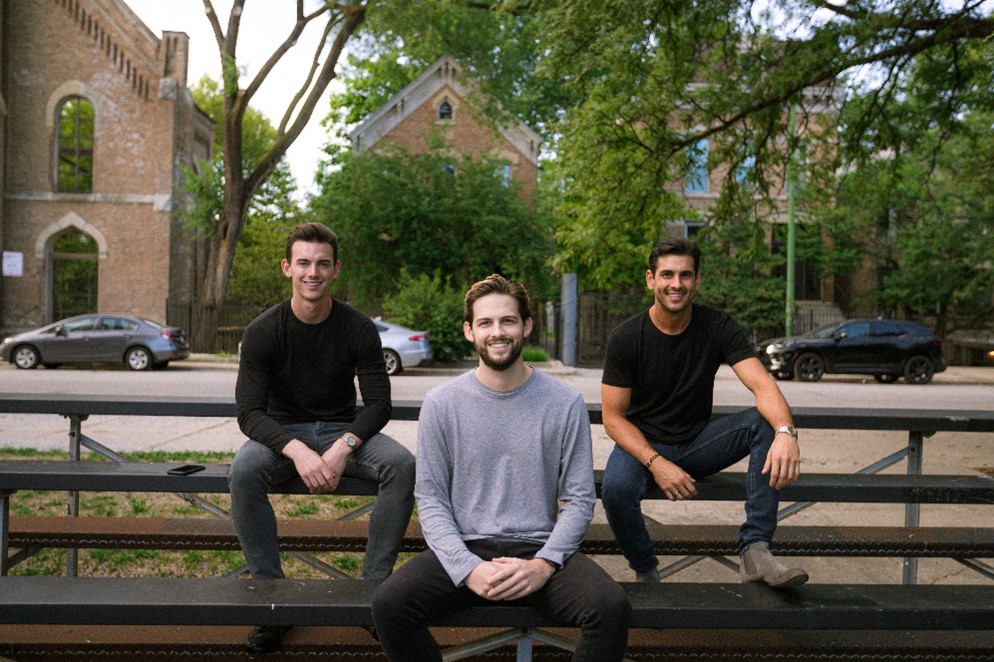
(445, 110)
(74, 172)
(73, 260)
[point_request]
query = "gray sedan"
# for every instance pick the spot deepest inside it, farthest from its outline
(100, 338)
(402, 347)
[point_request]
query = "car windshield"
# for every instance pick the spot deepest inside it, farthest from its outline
(822, 332)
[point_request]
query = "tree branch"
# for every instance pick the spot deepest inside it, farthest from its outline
(353, 18)
(315, 62)
(283, 48)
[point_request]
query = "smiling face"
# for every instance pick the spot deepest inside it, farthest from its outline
(497, 332)
(673, 283)
(311, 269)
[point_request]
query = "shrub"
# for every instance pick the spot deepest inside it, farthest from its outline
(432, 304)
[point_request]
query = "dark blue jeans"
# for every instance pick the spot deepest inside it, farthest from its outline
(580, 594)
(722, 443)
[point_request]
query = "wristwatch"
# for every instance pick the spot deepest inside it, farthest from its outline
(789, 430)
(349, 441)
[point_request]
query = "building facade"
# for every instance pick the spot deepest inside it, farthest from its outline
(96, 126)
(438, 102)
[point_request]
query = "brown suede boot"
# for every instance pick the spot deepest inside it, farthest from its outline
(648, 577)
(757, 564)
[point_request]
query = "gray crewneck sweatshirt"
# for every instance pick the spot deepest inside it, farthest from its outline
(515, 465)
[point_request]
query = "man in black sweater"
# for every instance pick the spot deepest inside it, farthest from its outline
(296, 401)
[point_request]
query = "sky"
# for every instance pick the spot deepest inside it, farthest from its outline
(265, 23)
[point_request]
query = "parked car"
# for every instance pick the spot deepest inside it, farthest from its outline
(402, 347)
(886, 349)
(99, 338)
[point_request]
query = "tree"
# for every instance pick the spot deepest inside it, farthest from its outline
(428, 213)
(255, 279)
(654, 78)
(495, 44)
(242, 178)
(924, 218)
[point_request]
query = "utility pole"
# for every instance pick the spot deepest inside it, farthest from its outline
(791, 230)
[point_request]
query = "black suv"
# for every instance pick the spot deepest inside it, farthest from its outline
(886, 349)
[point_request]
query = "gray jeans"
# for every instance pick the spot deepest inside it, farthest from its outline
(256, 468)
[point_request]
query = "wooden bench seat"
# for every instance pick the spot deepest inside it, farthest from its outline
(350, 536)
(183, 601)
(726, 486)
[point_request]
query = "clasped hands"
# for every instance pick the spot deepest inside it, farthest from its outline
(320, 473)
(508, 578)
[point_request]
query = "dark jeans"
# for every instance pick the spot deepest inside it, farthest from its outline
(722, 443)
(580, 594)
(257, 467)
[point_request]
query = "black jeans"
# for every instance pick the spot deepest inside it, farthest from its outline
(580, 594)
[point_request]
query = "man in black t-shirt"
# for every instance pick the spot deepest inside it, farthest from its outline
(296, 403)
(657, 391)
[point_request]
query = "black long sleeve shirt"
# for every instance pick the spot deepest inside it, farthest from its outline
(292, 372)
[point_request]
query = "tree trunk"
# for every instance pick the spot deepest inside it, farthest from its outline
(220, 255)
(242, 180)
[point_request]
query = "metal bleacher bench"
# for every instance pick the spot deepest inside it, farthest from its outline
(225, 601)
(33, 532)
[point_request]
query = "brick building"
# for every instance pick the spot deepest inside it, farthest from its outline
(96, 122)
(439, 102)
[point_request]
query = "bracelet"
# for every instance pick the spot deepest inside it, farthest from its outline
(651, 460)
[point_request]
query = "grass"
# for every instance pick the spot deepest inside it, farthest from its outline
(531, 354)
(167, 563)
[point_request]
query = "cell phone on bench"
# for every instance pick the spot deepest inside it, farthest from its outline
(185, 469)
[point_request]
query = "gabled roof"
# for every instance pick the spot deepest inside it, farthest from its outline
(444, 72)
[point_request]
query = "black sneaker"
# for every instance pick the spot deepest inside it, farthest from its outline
(266, 638)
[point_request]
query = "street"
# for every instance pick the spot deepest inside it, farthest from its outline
(957, 388)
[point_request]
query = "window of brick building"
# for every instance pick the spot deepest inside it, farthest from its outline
(698, 173)
(445, 111)
(74, 171)
(73, 269)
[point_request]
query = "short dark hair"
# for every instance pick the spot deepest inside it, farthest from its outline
(496, 284)
(675, 247)
(317, 233)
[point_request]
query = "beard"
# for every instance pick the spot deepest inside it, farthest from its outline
(505, 362)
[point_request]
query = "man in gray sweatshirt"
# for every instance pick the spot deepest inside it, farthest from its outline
(505, 492)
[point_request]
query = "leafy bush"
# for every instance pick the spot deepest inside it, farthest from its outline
(432, 304)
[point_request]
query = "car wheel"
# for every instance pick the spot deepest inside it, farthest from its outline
(25, 357)
(886, 379)
(919, 370)
(392, 359)
(809, 367)
(138, 358)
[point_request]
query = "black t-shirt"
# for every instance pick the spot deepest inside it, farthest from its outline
(672, 377)
(292, 372)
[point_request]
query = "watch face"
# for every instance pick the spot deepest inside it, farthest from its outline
(349, 441)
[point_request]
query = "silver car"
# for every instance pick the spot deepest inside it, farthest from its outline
(402, 347)
(139, 343)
